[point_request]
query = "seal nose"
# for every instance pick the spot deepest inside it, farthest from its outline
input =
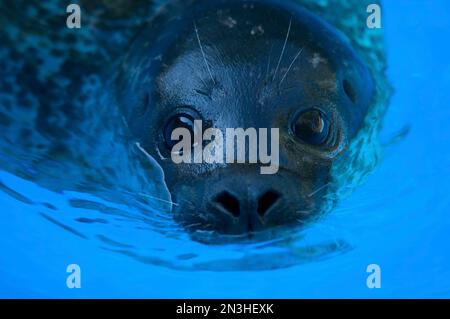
(245, 211)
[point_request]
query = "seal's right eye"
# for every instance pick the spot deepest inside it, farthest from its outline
(181, 120)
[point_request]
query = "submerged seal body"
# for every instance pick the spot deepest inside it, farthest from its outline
(242, 64)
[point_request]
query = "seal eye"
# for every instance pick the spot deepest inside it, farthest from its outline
(312, 127)
(181, 120)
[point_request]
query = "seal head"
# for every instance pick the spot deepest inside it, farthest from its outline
(245, 64)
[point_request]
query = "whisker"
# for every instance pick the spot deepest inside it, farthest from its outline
(284, 48)
(268, 61)
(327, 230)
(187, 201)
(125, 122)
(192, 225)
(201, 79)
(138, 145)
(330, 230)
(148, 196)
(300, 221)
(203, 52)
(290, 66)
(318, 190)
(159, 199)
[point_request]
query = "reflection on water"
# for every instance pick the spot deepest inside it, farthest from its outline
(144, 234)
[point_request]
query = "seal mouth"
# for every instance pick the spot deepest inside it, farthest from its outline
(212, 237)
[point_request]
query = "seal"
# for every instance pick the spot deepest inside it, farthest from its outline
(234, 63)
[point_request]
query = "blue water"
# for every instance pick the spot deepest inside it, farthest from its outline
(399, 219)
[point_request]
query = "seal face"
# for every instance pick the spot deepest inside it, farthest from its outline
(241, 64)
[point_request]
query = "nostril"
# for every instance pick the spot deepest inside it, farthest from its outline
(266, 201)
(229, 203)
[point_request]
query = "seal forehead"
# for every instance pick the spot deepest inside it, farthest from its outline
(206, 73)
(264, 35)
(242, 31)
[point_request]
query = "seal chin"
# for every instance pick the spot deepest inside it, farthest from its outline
(213, 237)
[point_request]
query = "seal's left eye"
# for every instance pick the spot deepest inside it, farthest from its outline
(312, 127)
(181, 120)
